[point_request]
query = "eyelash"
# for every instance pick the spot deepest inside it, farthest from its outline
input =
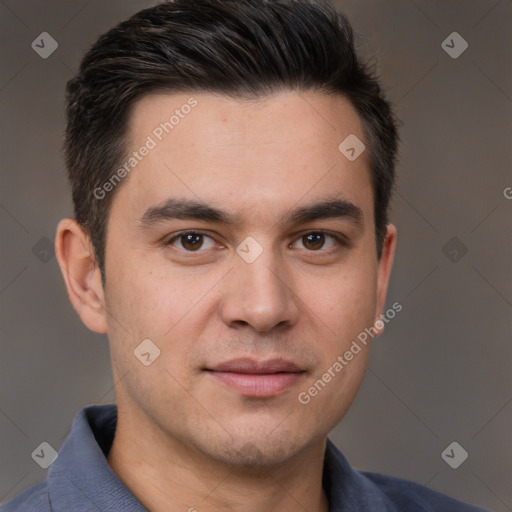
(340, 240)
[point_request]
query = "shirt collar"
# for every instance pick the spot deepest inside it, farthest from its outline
(81, 476)
(348, 490)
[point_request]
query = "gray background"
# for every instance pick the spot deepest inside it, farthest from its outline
(442, 370)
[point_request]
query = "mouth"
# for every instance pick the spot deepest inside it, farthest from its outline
(257, 378)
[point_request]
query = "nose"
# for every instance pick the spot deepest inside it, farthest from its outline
(259, 294)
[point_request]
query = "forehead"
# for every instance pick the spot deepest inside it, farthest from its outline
(261, 155)
(219, 119)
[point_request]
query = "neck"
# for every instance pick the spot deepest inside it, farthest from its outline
(164, 474)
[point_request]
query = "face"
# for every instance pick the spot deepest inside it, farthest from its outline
(252, 298)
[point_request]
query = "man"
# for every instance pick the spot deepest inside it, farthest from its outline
(231, 163)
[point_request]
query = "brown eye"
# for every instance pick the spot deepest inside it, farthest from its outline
(313, 241)
(321, 242)
(190, 242)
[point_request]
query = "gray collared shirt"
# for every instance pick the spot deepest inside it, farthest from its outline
(81, 480)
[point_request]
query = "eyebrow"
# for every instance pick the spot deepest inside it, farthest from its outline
(174, 208)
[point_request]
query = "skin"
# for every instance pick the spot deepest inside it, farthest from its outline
(183, 437)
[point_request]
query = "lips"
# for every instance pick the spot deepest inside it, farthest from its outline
(250, 366)
(257, 378)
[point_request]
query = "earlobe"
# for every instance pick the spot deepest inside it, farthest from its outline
(81, 274)
(384, 270)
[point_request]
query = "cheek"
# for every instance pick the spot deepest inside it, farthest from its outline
(144, 305)
(170, 309)
(346, 307)
(346, 302)
(150, 302)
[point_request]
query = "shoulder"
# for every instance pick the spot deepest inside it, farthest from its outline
(410, 496)
(364, 490)
(33, 499)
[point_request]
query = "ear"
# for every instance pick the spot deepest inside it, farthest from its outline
(81, 274)
(384, 270)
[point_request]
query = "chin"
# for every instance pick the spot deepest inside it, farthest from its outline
(258, 450)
